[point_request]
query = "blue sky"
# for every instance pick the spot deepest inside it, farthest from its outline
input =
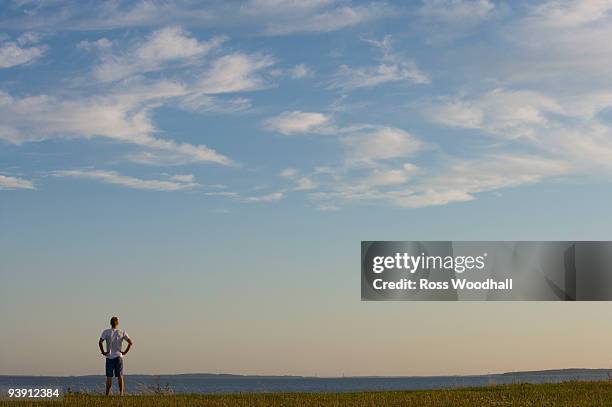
(332, 103)
(169, 152)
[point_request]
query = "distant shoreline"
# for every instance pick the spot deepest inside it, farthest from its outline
(552, 372)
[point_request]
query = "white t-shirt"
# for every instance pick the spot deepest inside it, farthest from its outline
(114, 338)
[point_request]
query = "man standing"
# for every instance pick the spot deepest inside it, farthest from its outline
(114, 338)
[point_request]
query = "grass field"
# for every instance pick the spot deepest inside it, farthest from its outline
(573, 394)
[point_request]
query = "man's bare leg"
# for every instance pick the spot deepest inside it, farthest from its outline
(109, 384)
(121, 384)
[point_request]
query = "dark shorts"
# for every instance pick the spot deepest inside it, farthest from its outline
(114, 367)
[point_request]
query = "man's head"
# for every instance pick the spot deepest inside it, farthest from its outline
(114, 322)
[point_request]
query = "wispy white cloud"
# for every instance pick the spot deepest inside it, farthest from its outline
(502, 112)
(326, 21)
(305, 184)
(100, 44)
(374, 161)
(445, 21)
(392, 68)
(266, 198)
(381, 143)
(237, 72)
(9, 182)
(302, 183)
(124, 111)
(558, 41)
(186, 178)
(107, 15)
(566, 128)
(461, 180)
(15, 54)
(196, 101)
(570, 13)
(298, 122)
(283, 7)
(363, 77)
(225, 194)
(169, 45)
(457, 11)
(300, 71)
(289, 173)
(376, 166)
(270, 17)
(381, 177)
(272, 197)
(173, 183)
(29, 37)
(123, 116)
(458, 180)
(365, 143)
(280, 17)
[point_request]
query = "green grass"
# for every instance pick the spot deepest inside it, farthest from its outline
(574, 394)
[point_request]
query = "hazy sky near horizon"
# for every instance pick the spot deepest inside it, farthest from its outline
(207, 171)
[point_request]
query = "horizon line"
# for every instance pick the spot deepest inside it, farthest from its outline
(543, 371)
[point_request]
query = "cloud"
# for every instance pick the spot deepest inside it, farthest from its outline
(186, 178)
(272, 197)
(29, 38)
(587, 147)
(283, 7)
(509, 113)
(457, 113)
(353, 78)
(12, 54)
(300, 71)
(269, 17)
(501, 123)
(387, 177)
(558, 41)
(458, 180)
(289, 173)
(243, 198)
(237, 72)
(298, 122)
(463, 179)
(375, 148)
(99, 44)
(225, 194)
(374, 160)
(552, 43)
(302, 183)
(123, 116)
(107, 15)
(163, 47)
(123, 111)
(8, 182)
(200, 102)
(443, 22)
(281, 17)
(570, 13)
(392, 68)
(174, 183)
(457, 11)
(375, 167)
(305, 184)
(567, 127)
(381, 144)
